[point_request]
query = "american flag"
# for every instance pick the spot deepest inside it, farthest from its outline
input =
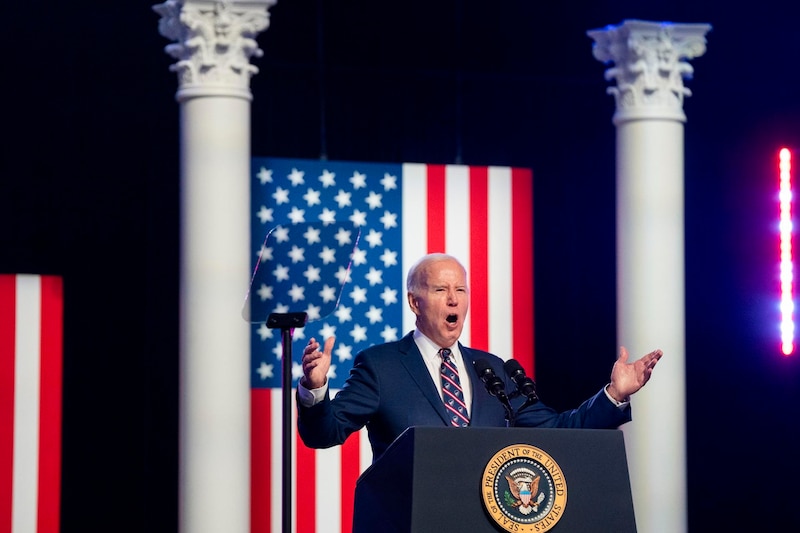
(335, 239)
(31, 352)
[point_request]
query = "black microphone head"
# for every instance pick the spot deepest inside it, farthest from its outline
(484, 370)
(494, 385)
(525, 385)
(513, 368)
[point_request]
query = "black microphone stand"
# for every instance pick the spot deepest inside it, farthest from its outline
(287, 322)
(524, 385)
(530, 400)
(495, 387)
(510, 417)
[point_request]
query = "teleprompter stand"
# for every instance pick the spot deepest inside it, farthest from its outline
(286, 322)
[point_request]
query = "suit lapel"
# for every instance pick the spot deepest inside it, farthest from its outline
(414, 364)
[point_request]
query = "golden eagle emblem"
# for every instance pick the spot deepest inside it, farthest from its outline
(524, 487)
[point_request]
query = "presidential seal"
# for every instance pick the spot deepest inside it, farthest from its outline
(523, 489)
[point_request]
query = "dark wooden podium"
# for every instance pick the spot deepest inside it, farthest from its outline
(432, 480)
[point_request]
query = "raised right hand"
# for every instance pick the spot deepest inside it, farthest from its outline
(316, 363)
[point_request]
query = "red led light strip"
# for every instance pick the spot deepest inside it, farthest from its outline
(787, 274)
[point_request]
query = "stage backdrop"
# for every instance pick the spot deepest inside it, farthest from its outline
(398, 212)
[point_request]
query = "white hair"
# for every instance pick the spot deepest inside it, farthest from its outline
(414, 278)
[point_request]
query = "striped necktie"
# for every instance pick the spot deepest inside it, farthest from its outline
(452, 392)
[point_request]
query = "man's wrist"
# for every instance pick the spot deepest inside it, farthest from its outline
(616, 398)
(308, 396)
(310, 386)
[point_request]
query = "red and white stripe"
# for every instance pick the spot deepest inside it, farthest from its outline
(31, 352)
(484, 217)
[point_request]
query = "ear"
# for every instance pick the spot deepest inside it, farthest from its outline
(412, 303)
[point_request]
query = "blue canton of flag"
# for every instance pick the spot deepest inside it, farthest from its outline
(310, 220)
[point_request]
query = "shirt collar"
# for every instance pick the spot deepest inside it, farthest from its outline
(429, 349)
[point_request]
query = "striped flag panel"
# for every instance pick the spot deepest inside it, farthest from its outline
(31, 354)
(398, 213)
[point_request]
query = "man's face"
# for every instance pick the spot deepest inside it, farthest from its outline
(442, 302)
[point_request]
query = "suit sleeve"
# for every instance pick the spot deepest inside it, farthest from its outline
(331, 421)
(595, 413)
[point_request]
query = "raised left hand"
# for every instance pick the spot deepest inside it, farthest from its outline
(627, 378)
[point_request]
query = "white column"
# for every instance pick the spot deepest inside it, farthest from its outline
(214, 41)
(649, 67)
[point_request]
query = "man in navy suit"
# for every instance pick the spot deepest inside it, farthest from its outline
(396, 385)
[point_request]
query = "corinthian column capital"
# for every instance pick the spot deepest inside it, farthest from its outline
(649, 66)
(214, 41)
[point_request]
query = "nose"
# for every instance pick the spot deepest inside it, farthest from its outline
(451, 298)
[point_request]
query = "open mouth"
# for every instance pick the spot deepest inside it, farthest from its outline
(452, 319)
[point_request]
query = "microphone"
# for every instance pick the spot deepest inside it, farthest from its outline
(493, 384)
(525, 385)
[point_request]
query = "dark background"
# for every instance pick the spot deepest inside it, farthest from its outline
(89, 190)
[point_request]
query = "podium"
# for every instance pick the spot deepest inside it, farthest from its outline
(460, 479)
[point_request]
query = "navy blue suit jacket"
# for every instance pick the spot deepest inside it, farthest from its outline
(390, 389)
